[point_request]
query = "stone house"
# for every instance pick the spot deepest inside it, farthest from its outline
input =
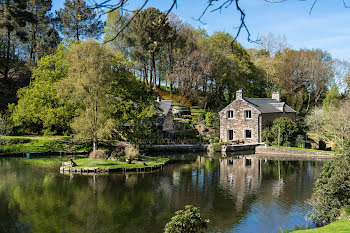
(166, 115)
(244, 119)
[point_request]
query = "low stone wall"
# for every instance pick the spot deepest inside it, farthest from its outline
(95, 170)
(283, 151)
(174, 148)
(234, 148)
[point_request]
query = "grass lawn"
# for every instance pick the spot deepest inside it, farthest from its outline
(10, 144)
(303, 149)
(34, 145)
(340, 226)
(150, 161)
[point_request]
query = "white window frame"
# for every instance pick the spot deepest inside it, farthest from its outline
(229, 116)
(245, 114)
(245, 133)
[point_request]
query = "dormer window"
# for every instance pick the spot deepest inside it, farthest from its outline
(248, 114)
(229, 114)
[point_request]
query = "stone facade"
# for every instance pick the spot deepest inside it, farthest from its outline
(239, 124)
(244, 119)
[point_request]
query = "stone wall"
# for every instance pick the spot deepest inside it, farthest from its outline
(239, 123)
(272, 150)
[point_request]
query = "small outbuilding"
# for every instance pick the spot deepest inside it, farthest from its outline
(243, 120)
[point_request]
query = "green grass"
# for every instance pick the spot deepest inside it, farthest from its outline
(303, 149)
(10, 144)
(340, 226)
(35, 145)
(150, 161)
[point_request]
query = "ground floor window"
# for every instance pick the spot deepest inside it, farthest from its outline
(230, 135)
(248, 134)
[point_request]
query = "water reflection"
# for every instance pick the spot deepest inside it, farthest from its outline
(238, 194)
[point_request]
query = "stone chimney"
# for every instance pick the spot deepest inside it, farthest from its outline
(276, 96)
(239, 94)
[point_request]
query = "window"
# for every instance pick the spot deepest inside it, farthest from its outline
(248, 134)
(248, 114)
(230, 114)
(230, 135)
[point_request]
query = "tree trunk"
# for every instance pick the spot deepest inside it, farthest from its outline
(150, 75)
(154, 71)
(7, 64)
(145, 74)
(170, 52)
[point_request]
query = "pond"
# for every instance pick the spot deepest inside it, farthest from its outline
(237, 194)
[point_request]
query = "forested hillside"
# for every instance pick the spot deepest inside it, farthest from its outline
(160, 50)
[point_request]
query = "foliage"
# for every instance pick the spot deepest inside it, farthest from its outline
(188, 220)
(106, 94)
(332, 98)
(331, 123)
(78, 20)
(288, 132)
(131, 152)
(38, 109)
(217, 147)
(331, 192)
(5, 126)
(209, 117)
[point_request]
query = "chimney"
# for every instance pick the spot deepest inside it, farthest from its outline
(239, 94)
(276, 96)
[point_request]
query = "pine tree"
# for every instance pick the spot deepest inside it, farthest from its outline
(78, 20)
(14, 16)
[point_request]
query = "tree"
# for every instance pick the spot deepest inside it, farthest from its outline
(38, 109)
(188, 220)
(106, 94)
(332, 98)
(146, 35)
(283, 126)
(79, 21)
(14, 16)
(114, 22)
(39, 28)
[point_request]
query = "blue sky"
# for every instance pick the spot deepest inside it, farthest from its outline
(327, 28)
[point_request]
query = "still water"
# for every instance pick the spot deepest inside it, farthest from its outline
(236, 194)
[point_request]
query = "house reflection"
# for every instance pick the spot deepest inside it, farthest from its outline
(240, 176)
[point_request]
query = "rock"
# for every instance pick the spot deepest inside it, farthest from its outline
(98, 154)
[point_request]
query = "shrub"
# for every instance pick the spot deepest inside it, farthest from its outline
(217, 147)
(131, 152)
(331, 192)
(98, 154)
(5, 126)
(188, 220)
(209, 119)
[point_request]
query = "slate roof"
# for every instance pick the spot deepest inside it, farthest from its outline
(267, 105)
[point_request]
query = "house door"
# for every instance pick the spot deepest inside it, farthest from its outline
(230, 135)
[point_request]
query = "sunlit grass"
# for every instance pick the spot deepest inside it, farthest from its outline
(340, 226)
